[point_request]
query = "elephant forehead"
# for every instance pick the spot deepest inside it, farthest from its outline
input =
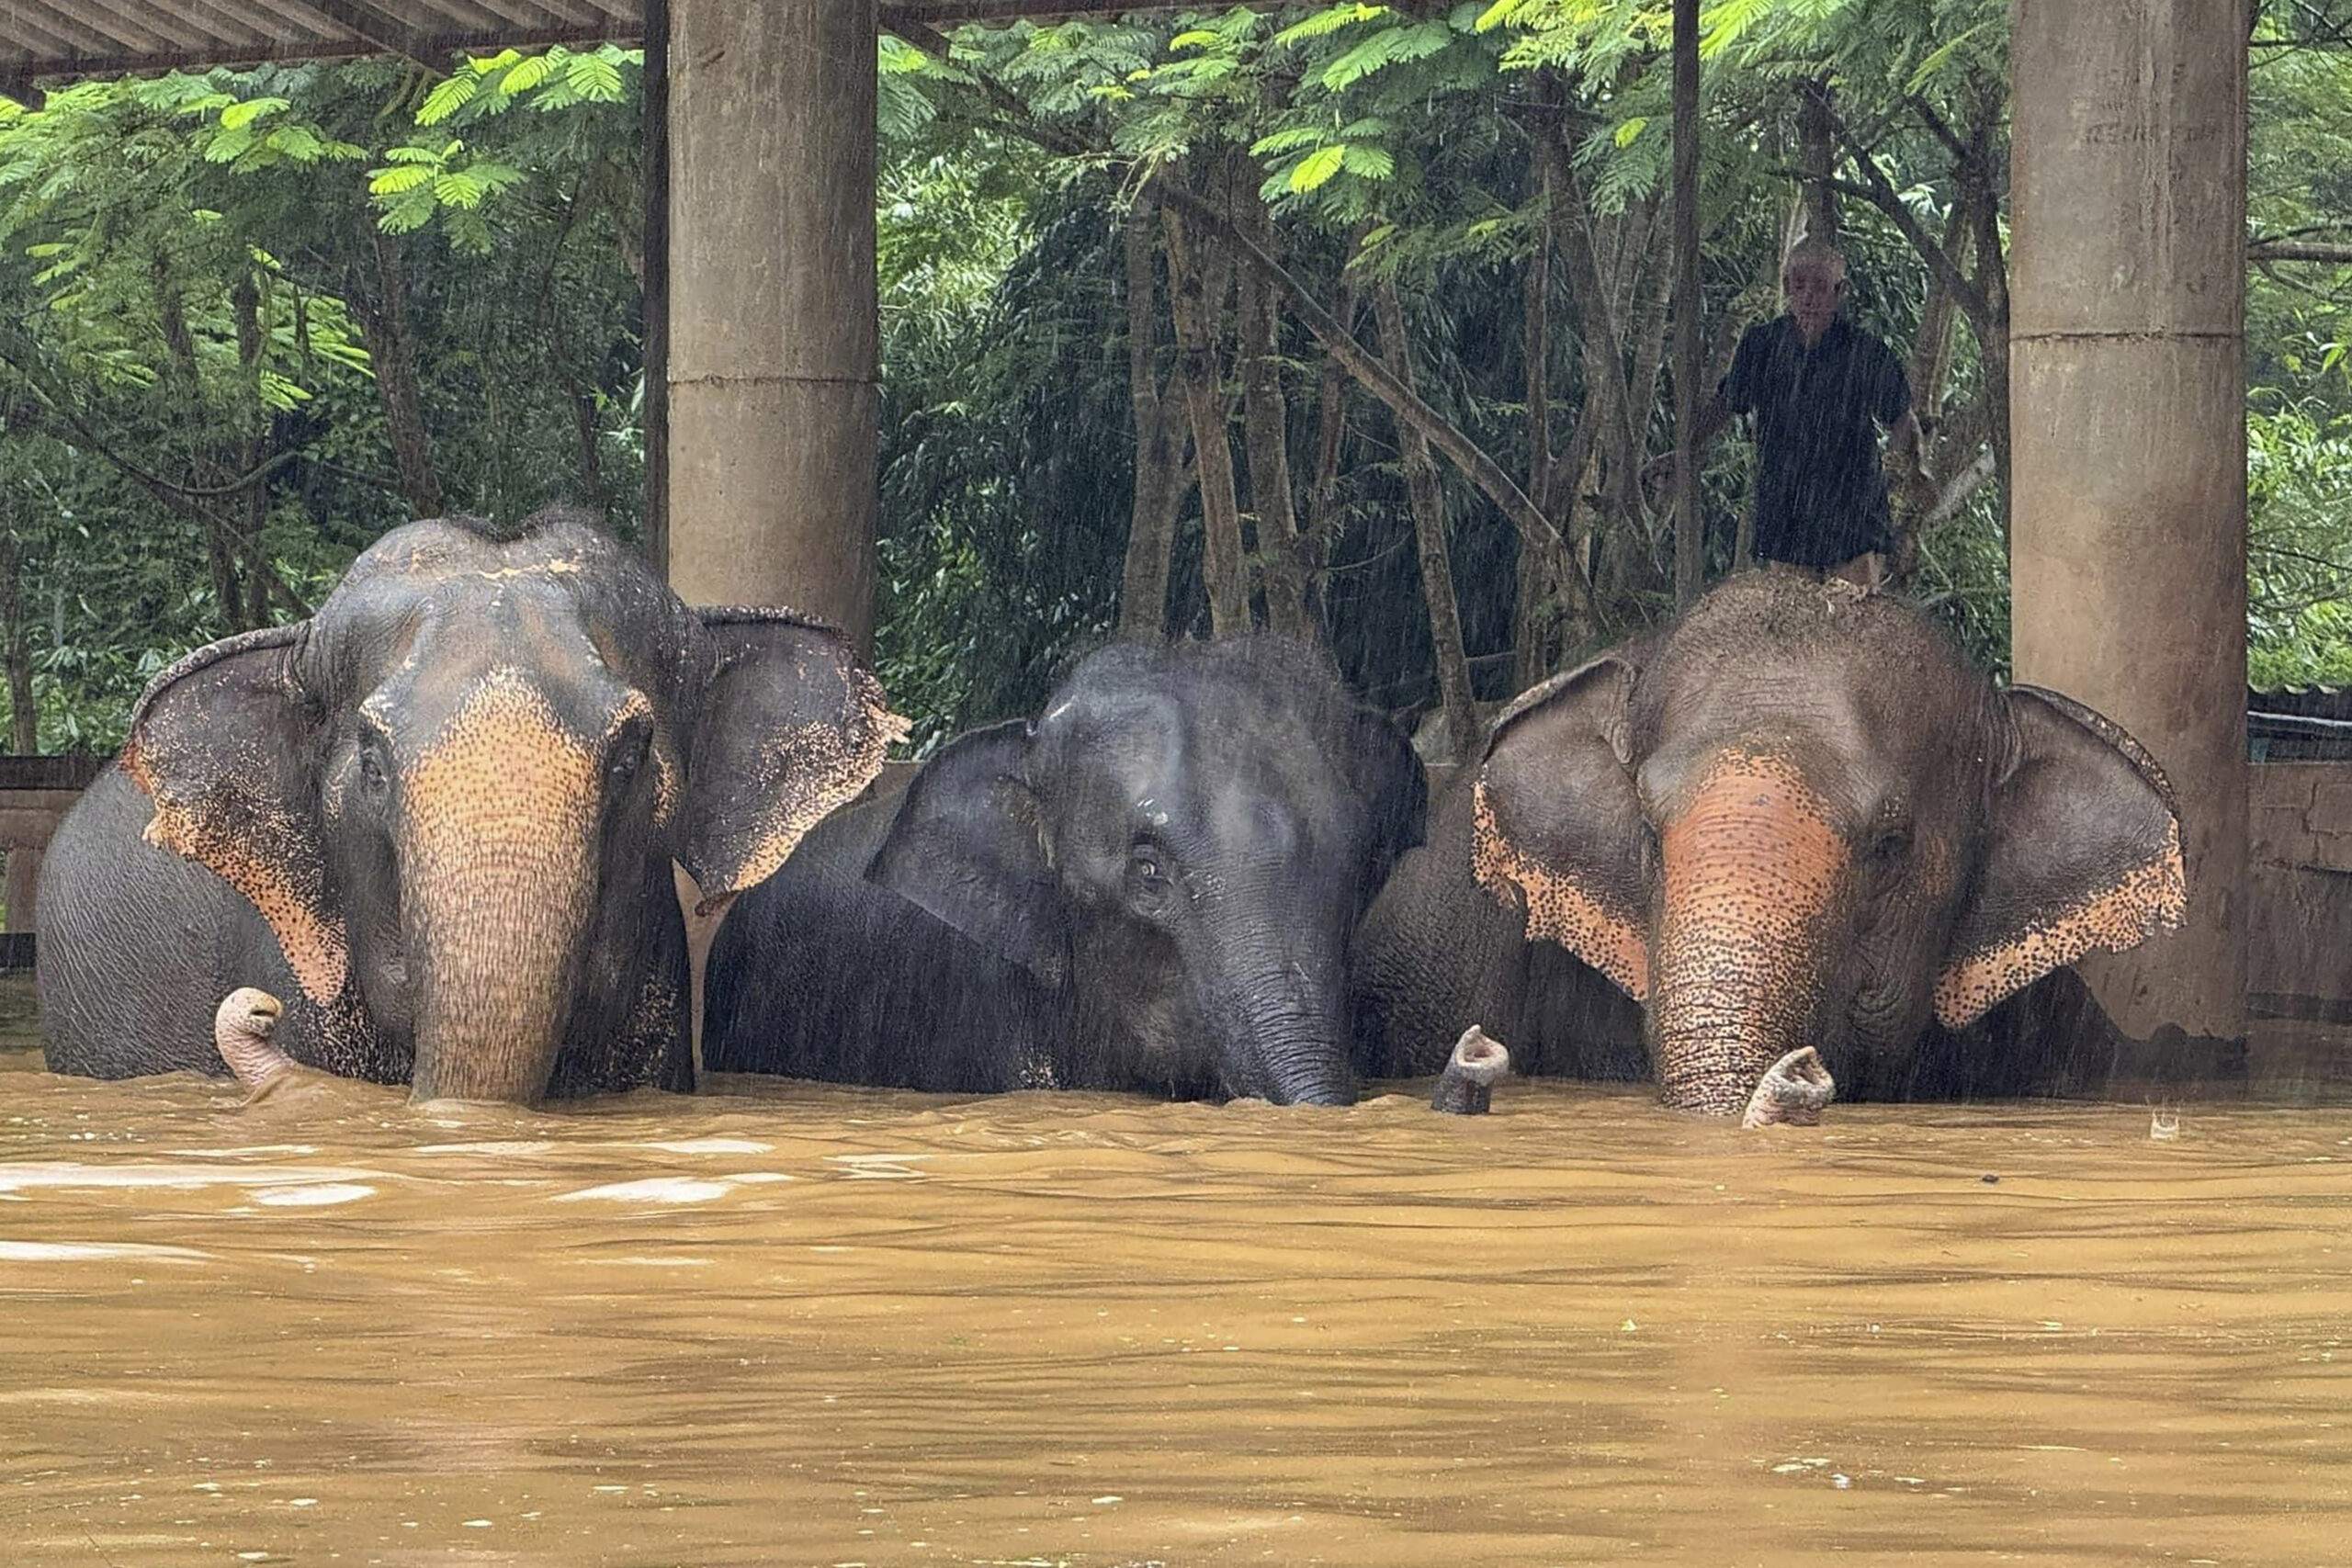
(1847, 764)
(1755, 837)
(448, 661)
(504, 752)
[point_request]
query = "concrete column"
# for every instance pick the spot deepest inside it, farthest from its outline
(23, 880)
(775, 398)
(2128, 417)
(655, 286)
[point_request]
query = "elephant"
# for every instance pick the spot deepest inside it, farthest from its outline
(1799, 816)
(1151, 887)
(440, 815)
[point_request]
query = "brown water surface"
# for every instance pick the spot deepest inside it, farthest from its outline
(827, 1327)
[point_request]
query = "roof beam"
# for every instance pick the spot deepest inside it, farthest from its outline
(375, 26)
(955, 13)
(92, 37)
(439, 45)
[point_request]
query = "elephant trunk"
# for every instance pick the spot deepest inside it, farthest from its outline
(1752, 872)
(499, 887)
(241, 1026)
(1285, 1027)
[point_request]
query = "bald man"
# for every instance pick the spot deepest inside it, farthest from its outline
(1820, 388)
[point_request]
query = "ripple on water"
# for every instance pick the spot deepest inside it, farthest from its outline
(651, 1190)
(95, 1251)
(315, 1197)
(183, 1178)
(505, 1147)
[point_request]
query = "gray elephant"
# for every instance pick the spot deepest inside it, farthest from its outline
(1799, 816)
(438, 817)
(1151, 887)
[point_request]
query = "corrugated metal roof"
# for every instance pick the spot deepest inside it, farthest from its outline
(79, 37)
(91, 38)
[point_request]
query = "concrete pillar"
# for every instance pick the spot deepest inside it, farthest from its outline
(655, 286)
(774, 399)
(2128, 417)
(23, 879)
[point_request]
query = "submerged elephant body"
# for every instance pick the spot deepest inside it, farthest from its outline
(1798, 818)
(1151, 887)
(438, 819)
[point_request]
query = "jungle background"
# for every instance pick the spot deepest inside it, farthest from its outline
(1153, 292)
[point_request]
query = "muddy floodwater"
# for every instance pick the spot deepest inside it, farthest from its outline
(823, 1326)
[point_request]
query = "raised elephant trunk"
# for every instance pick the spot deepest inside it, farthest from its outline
(241, 1026)
(1752, 872)
(500, 825)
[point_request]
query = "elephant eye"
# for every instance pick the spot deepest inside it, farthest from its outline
(626, 754)
(374, 777)
(1150, 889)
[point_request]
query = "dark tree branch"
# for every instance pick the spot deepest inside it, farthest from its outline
(2281, 250)
(78, 434)
(1935, 124)
(1880, 192)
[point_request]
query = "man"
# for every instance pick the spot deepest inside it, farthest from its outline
(1818, 386)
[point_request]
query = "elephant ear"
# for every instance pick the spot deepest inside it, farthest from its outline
(225, 743)
(2084, 853)
(968, 847)
(789, 726)
(1557, 820)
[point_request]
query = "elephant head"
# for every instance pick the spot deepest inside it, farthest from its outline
(1178, 849)
(1800, 817)
(455, 793)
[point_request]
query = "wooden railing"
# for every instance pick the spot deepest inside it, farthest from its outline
(35, 793)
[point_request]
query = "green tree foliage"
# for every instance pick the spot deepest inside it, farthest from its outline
(228, 363)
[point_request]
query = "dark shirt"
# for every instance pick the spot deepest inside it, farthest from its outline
(1820, 491)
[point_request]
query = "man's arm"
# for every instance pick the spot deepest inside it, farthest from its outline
(1709, 424)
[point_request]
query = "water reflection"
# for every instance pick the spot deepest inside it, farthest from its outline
(803, 1325)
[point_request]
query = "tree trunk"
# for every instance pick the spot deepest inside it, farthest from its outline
(383, 327)
(1265, 416)
(1475, 464)
(16, 656)
(1992, 279)
(1689, 541)
(1537, 568)
(1198, 279)
(1931, 350)
(586, 431)
(250, 507)
(1159, 493)
(1429, 533)
(1330, 435)
(1816, 156)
